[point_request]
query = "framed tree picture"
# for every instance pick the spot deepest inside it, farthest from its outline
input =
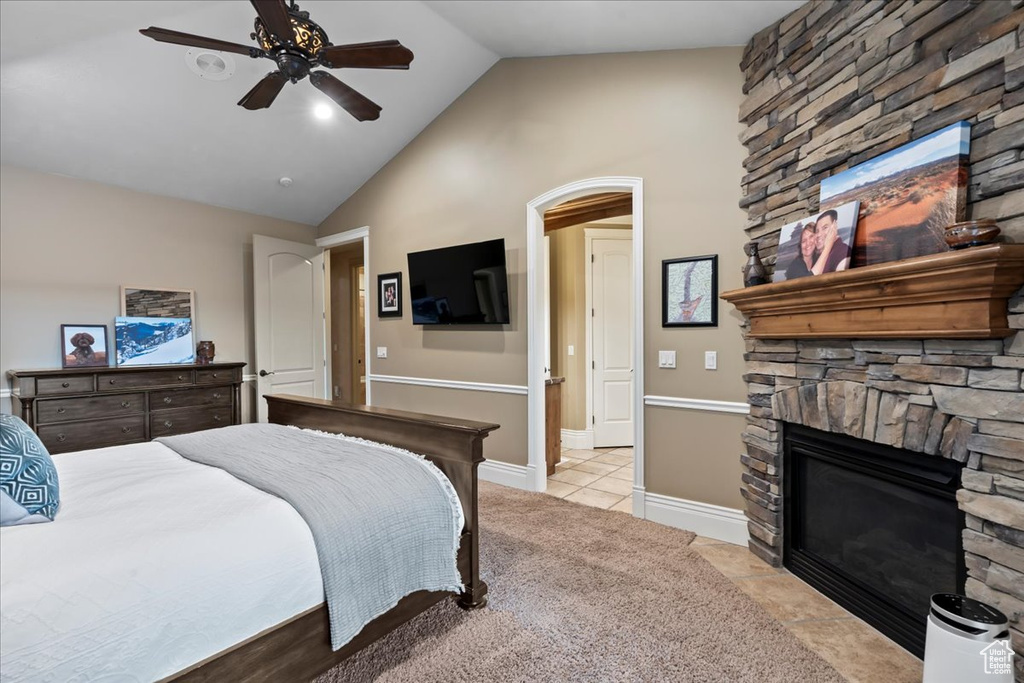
(389, 295)
(689, 292)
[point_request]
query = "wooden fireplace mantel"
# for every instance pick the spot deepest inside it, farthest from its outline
(955, 295)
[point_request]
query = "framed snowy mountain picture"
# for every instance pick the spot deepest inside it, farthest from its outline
(153, 341)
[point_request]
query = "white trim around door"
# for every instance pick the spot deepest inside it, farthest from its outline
(348, 237)
(535, 345)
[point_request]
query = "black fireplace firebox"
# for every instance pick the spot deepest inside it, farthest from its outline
(875, 528)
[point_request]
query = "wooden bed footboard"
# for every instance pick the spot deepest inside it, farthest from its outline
(300, 648)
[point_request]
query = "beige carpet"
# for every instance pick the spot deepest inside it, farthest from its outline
(581, 594)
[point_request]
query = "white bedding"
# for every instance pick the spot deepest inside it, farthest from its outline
(153, 564)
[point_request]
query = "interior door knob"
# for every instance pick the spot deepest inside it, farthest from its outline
(264, 373)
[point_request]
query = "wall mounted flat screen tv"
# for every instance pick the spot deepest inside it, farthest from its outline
(462, 285)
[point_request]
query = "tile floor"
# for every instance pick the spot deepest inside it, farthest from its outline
(856, 650)
(604, 478)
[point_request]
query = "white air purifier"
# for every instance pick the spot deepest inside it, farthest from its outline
(967, 642)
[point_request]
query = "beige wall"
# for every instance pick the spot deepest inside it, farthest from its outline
(67, 245)
(568, 297)
(343, 259)
(531, 125)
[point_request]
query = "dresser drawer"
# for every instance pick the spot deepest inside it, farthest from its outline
(189, 398)
(70, 384)
(218, 376)
(63, 409)
(79, 436)
(168, 422)
(141, 380)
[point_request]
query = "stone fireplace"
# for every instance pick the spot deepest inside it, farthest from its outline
(959, 400)
(829, 86)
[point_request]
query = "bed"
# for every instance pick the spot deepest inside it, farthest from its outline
(253, 611)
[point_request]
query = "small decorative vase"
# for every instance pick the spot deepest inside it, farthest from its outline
(754, 273)
(204, 352)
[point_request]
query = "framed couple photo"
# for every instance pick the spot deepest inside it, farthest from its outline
(818, 244)
(389, 295)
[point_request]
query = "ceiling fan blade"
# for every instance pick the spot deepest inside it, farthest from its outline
(265, 92)
(383, 54)
(350, 100)
(274, 14)
(178, 38)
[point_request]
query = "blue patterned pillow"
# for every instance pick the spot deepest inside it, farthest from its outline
(29, 492)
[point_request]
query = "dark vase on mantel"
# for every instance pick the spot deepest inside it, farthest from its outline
(754, 273)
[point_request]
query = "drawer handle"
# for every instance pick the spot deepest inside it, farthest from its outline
(126, 404)
(168, 424)
(65, 384)
(216, 394)
(61, 410)
(216, 418)
(167, 399)
(181, 378)
(125, 430)
(113, 381)
(215, 375)
(62, 437)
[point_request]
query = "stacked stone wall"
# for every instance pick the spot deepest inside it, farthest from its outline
(830, 86)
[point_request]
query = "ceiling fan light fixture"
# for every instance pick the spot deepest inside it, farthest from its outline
(307, 36)
(297, 45)
(323, 112)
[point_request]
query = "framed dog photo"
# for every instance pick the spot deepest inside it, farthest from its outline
(389, 295)
(689, 292)
(85, 346)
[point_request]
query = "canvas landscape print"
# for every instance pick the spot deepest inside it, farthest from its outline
(907, 196)
(822, 243)
(154, 341)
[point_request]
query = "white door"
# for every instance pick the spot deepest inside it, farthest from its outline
(288, 298)
(612, 278)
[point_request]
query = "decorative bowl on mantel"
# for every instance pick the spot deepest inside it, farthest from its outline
(971, 233)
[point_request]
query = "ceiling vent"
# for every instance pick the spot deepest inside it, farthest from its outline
(209, 65)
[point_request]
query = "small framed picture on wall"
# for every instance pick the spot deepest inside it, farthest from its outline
(389, 295)
(84, 346)
(689, 292)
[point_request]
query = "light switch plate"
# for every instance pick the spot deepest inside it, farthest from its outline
(382, 352)
(666, 359)
(711, 360)
(572, 350)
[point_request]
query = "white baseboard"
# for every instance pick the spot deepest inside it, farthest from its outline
(713, 521)
(506, 474)
(578, 439)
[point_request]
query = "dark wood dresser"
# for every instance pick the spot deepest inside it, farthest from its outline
(79, 408)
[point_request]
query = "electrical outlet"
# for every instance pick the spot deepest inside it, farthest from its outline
(382, 352)
(666, 359)
(711, 360)
(572, 350)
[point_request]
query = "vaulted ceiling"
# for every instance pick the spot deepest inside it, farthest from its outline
(83, 94)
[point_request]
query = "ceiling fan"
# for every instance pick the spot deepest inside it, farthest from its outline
(288, 36)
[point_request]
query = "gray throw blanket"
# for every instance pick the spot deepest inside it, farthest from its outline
(386, 523)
